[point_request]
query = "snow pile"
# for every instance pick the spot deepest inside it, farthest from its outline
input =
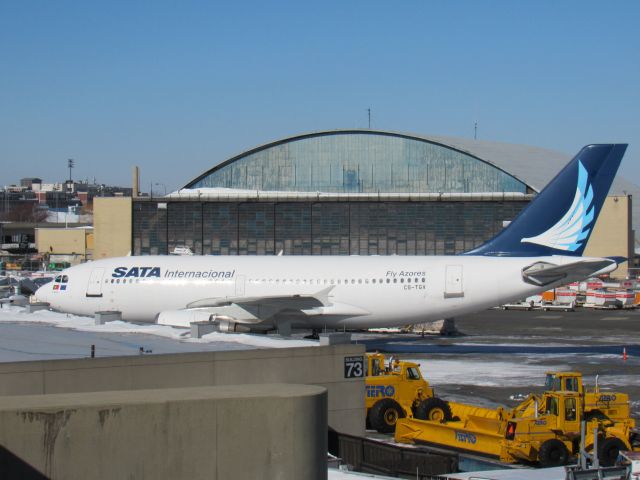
(15, 314)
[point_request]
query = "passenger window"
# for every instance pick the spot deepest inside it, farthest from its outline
(388, 280)
(373, 281)
(402, 280)
(424, 279)
(395, 280)
(359, 280)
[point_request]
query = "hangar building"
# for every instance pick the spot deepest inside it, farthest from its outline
(349, 192)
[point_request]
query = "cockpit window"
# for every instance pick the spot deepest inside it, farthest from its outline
(58, 278)
(65, 279)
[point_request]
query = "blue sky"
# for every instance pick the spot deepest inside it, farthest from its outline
(176, 87)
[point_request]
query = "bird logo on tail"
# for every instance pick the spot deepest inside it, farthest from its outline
(570, 231)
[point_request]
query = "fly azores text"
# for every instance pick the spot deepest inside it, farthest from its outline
(156, 272)
(411, 279)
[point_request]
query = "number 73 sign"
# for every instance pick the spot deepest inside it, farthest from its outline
(354, 367)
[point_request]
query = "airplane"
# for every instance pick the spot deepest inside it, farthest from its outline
(540, 249)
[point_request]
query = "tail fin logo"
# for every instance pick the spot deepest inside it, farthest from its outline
(570, 231)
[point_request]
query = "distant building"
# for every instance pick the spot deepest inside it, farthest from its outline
(28, 182)
(345, 192)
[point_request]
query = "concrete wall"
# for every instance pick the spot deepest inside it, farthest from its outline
(63, 241)
(112, 226)
(323, 366)
(266, 431)
(613, 233)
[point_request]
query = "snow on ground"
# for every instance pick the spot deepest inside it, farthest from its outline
(484, 373)
(524, 370)
(335, 474)
(87, 324)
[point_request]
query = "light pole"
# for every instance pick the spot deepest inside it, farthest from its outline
(163, 186)
(70, 164)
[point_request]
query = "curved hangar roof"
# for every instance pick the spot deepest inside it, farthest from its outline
(371, 161)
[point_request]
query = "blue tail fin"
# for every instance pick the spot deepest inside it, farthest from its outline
(560, 219)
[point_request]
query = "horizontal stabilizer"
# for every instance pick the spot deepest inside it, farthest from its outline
(545, 273)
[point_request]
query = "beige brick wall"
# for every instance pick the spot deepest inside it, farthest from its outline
(613, 233)
(111, 227)
(65, 241)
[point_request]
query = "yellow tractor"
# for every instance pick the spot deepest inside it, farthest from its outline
(395, 389)
(543, 429)
(596, 404)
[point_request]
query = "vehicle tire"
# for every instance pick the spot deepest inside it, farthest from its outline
(608, 450)
(434, 409)
(553, 453)
(384, 414)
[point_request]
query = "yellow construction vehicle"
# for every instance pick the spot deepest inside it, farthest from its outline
(543, 429)
(596, 404)
(395, 389)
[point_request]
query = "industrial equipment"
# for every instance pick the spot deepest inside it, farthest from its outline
(396, 389)
(543, 429)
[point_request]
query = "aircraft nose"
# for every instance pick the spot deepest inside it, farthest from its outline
(43, 294)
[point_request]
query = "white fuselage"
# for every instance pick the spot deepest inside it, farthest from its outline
(361, 292)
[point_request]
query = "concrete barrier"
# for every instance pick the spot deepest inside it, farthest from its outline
(323, 366)
(252, 431)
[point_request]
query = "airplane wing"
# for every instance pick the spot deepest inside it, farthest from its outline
(248, 310)
(545, 273)
(294, 301)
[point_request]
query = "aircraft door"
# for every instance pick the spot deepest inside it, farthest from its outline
(240, 286)
(94, 287)
(453, 282)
